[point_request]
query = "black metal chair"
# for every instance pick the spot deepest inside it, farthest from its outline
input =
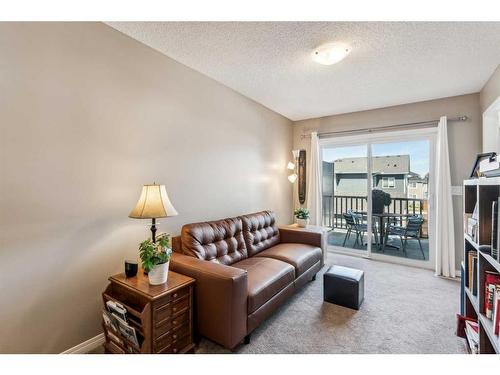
(410, 231)
(354, 223)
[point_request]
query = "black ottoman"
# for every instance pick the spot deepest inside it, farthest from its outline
(344, 286)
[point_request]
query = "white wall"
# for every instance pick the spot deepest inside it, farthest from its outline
(490, 91)
(88, 115)
(489, 99)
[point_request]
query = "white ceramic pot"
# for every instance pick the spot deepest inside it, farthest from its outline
(302, 222)
(159, 274)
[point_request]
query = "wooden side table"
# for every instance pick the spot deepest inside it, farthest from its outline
(162, 315)
(315, 229)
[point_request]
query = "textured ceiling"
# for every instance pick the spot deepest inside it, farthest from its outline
(390, 63)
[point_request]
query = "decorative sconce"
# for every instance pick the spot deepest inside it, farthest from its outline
(293, 166)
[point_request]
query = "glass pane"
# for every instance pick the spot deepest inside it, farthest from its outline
(400, 180)
(344, 195)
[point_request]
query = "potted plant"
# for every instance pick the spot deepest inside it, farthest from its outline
(155, 257)
(302, 216)
(380, 199)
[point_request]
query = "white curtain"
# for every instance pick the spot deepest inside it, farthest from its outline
(313, 173)
(444, 234)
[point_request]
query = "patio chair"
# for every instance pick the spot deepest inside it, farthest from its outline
(410, 231)
(355, 224)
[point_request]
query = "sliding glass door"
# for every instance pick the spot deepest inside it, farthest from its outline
(394, 221)
(345, 187)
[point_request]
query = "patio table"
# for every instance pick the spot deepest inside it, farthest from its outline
(381, 217)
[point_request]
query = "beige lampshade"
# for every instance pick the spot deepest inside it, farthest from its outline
(153, 203)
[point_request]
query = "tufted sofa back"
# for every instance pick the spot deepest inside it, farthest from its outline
(218, 241)
(260, 231)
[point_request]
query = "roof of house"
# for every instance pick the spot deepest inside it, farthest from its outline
(394, 164)
(415, 177)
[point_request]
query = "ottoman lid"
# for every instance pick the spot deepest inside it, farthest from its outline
(345, 273)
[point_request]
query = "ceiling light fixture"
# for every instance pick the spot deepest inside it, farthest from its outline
(330, 53)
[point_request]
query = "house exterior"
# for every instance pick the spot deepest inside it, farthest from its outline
(418, 186)
(347, 177)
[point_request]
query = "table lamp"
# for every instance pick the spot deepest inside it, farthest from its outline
(152, 204)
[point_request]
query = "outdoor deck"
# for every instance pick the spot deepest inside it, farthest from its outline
(336, 238)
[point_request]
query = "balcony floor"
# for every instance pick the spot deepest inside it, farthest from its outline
(336, 238)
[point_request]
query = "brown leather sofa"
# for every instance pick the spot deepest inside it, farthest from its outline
(245, 268)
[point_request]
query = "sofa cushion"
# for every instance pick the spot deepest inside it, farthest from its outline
(266, 278)
(218, 241)
(260, 231)
(300, 256)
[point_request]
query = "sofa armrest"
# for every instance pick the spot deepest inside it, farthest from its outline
(220, 298)
(301, 236)
(316, 238)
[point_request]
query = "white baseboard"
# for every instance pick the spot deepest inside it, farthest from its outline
(86, 346)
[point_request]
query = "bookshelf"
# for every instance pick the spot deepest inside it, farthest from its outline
(481, 192)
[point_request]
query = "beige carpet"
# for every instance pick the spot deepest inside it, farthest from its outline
(406, 310)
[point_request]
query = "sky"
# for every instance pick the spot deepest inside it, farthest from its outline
(418, 151)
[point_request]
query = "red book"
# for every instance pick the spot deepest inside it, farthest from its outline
(491, 278)
(496, 315)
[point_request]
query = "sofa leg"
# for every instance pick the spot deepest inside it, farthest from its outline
(246, 340)
(314, 277)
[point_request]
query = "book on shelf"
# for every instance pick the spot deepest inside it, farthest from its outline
(494, 228)
(472, 334)
(472, 229)
(492, 281)
(472, 268)
(474, 276)
(495, 251)
(496, 311)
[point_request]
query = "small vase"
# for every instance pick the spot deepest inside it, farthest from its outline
(302, 222)
(159, 274)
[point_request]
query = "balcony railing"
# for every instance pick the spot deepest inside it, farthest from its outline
(334, 206)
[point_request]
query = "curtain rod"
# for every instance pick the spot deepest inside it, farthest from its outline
(382, 128)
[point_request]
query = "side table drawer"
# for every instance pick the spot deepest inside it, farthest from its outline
(168, 307)
(166, 325)
(176, 334)
(177, 346)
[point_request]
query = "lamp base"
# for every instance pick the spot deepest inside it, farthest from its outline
(153, 229)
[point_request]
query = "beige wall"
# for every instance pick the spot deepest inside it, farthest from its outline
(464, 137)
(88, 115)
(490, 91)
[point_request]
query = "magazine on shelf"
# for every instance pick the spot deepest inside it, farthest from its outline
(126, 330)
(117, 325)
(117, 308)
(109, 321)
(472, 334)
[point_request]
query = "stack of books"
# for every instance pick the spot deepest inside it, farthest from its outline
(472, 263)
(472, 334)
(492, 299)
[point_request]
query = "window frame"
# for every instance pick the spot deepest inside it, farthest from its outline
(387, 179)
